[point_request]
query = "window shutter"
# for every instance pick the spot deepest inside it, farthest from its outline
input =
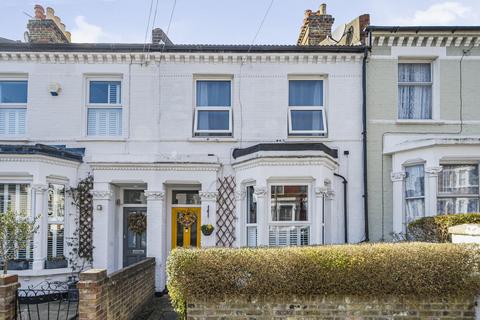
(114, 93)
(251, 236)
(104, 122)
(12, 121)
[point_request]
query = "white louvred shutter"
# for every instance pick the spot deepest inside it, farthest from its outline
(252, 236)
(12, 121)
(104, 122)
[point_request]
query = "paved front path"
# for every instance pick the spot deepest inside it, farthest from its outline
(162, 309)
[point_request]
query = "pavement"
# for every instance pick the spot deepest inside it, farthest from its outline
(161, 309)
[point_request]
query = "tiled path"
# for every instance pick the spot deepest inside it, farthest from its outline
(162, 309)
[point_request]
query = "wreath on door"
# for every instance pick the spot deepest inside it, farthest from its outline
(137, 222)
(187, 217)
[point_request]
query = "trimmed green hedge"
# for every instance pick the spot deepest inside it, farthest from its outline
(402, 269)
(435, 229)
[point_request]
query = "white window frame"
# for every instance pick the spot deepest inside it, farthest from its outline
(247, 224)
(51, 221)
(429, 61)
(459, 195)
(216, 108)
(120, 105)
(322, 108)
(16, 105)
(405, 198)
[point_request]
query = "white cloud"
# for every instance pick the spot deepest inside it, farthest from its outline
(446, 13)
(87, 32)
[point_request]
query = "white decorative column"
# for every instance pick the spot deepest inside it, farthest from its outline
(103, 229)
(157, 235)
(397, 201)
(318, 217)
(262, 215)
(40, 237)
(240, 231)
(431, 189)
(209, 216)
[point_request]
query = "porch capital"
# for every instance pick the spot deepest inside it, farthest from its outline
(155, 195)
(40, 188)
(208, 196)
(397, 176)
(433, 171)
(101, 194)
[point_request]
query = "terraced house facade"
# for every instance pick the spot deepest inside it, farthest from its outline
(342, 138)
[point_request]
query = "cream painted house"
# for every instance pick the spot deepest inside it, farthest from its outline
(423, 124)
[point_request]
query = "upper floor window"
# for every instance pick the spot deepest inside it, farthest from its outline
(414, 192)
(414, 91)
(289, 224)
(213, 108)
(306, 107)
(458, 189)
(13, 107)
(104, 111)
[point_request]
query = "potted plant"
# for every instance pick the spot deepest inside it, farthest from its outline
(207, 229)
(57, 262)
(18, 264)
(16, 232)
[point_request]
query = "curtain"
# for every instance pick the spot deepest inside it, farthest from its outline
(213, 93)
(414, 101)
(307, 120)
(414, 192)
(213, 120)
(458, 179)
(305, 93)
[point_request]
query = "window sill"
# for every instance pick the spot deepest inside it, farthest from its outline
(430, 121)
(306, 138)
(212, 139)
(98, 139)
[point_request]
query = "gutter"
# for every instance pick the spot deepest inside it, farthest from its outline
(364, 134)
(345, 209)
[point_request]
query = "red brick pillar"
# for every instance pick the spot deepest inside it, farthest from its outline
(8, 293)
(93, 294)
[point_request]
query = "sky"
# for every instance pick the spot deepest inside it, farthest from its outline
(224, 21)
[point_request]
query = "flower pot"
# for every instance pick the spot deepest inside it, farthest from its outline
(207, 229)
(18, 265)
(56, 264)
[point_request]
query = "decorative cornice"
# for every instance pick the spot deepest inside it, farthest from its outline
(260, 192)
(40, 188)
(101, 194)
(180, 57)
(208, 196)
(397, 176)
(433, 171)
(39, 158)
(269, 162)
(155, 195)
(324, 192)
(425, 40)
(155, 167)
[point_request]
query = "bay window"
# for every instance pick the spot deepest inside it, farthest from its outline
(56, 221)
(458, 189)
(306, 108)
(104, 109)
(13, 107)
(289, 221)
(213, 108)
(17, 198)
(415, 91)
(414, 192)
(251, 222)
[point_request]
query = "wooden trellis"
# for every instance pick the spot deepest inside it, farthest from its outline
(226, 212)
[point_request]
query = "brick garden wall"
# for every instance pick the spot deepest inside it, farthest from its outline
(8, 293)
(118, 296)
(316, 307)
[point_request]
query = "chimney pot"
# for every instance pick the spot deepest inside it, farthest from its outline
(46, 28)
(39, 12)
(317, 26)
(323, 9)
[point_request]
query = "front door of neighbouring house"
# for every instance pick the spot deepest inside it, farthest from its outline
(134, 235)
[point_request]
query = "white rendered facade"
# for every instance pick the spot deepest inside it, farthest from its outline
(155, 147)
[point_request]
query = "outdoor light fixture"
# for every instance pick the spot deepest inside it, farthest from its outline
(54, 89)
(99, 207)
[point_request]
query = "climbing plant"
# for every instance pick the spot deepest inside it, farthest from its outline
(81, 241)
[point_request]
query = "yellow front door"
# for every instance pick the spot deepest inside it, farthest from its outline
(186, 227)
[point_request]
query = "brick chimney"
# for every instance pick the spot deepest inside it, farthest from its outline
(317, 26)
(46, 28)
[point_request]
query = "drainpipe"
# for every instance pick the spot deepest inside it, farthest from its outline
(364, 133)
(345, 212)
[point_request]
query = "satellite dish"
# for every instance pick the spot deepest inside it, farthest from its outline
(26, 36)
(339, 32)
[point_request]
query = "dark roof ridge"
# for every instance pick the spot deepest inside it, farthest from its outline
(41, 149)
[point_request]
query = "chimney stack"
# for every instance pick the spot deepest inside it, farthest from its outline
(47, 28)
(317, 26)
(158, 36)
